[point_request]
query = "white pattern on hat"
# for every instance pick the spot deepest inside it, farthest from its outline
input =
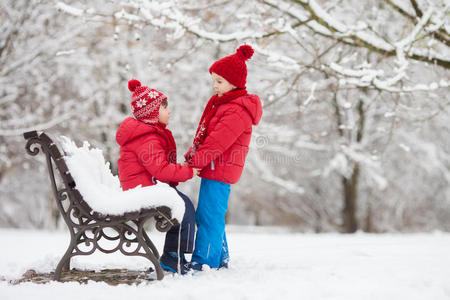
(141, 103)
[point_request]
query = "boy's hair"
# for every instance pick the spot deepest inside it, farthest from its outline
(164, 103)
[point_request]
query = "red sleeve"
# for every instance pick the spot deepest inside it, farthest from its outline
(152, 156)
(228, 128)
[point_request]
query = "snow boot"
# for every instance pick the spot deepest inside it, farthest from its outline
(169, 262)
(194, 266)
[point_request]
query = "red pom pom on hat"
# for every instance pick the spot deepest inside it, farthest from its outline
(133, 84)
(246, 51)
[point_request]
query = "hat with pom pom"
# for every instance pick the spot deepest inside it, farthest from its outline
(233, 67)
(145, 102)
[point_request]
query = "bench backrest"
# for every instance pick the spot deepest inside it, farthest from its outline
(77, 211)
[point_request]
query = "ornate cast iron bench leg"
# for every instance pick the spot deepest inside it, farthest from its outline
(151, 255)
(150, 243)
(64, 263)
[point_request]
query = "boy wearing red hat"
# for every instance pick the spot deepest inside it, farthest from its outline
(219, 149)
(147, 155)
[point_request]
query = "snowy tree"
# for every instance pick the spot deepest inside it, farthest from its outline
(359, 66)
(33, 94)
(355, 126)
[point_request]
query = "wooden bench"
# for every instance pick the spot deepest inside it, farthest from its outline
(88, 227)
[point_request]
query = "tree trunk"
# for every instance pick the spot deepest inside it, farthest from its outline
(350, 187)
(368, 222)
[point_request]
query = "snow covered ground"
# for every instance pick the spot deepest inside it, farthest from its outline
(266, 264)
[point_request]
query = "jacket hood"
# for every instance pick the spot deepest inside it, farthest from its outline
(253, 106)
(130, 129)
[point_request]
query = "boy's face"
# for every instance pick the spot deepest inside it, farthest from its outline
(221, 85)
(164, 114)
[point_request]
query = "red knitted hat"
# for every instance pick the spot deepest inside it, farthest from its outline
(145, 102)
(233, 67)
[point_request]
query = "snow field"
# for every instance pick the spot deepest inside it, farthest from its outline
(265, 265)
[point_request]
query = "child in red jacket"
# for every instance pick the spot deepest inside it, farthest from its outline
(219, 149)
(148, 154)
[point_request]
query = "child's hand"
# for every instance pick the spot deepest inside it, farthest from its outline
(196, 171)
(185, 163)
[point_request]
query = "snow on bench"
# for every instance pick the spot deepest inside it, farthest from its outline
(102, 191)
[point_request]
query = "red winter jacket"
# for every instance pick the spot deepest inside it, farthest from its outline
(145, 155)
(222, 154)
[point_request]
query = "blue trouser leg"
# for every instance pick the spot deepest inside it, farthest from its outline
(210, 217)
(224, 255)
(187, 230)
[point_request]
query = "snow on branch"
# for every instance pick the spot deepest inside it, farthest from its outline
(404, 44)
(310, 98)
(299, 15)
(365, 77)
(69, 9)
(361, 37)
(43, 126)
(218, 37)
(436, 26)
(278, 59)
(401, 7)
(65, 52)
(168, 15)
(384, 85)
(180, 21)
(342, 30)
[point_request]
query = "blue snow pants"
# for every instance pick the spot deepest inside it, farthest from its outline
(187, 229)
(211, 243)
